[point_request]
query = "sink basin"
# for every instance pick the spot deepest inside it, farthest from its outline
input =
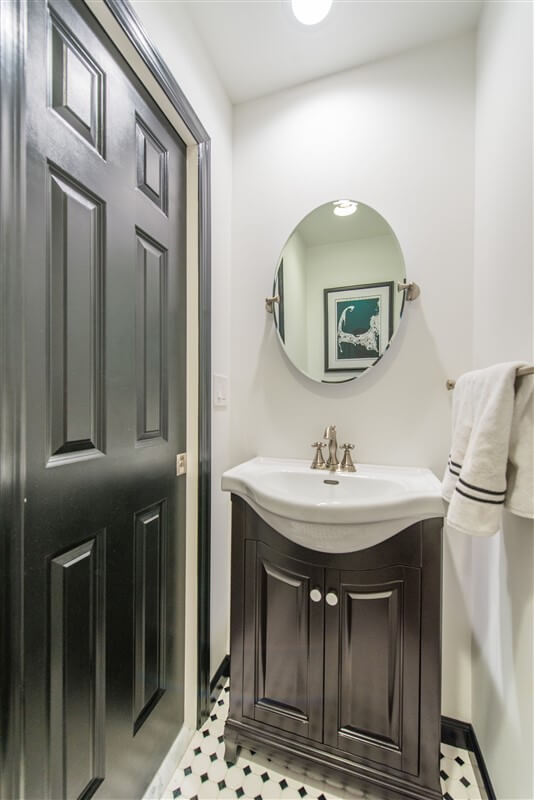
(335, 512)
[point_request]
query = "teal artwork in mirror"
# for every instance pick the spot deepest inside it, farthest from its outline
(339, 290)
(358, 324)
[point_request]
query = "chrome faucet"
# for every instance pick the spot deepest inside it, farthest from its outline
(331, 439)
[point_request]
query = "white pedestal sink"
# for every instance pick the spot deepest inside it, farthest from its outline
(335, 512)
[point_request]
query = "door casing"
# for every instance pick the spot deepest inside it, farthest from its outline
(121, 24)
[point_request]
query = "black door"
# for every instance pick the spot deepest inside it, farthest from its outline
(372, 660)
(283, 644)
(105, 393)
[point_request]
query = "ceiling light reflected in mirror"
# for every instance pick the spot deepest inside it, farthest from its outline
(344, 208)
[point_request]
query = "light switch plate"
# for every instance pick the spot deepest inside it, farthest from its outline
(220, 391)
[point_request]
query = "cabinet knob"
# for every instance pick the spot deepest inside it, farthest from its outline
(332, 599)
(316, 595)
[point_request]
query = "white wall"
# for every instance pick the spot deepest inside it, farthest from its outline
(170, 29)
(503, 566)
(397, 135)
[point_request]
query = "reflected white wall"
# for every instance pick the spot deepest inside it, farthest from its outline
(295, 305)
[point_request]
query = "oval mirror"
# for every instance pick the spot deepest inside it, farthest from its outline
(336, 288)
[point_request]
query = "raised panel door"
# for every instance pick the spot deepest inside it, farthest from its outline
(372, 662)
(105, 343)
(283, 648)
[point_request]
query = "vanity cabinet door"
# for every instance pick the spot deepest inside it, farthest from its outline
(283, 641)
(372, 656)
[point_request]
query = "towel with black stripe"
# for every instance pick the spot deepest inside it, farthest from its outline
(474, 483)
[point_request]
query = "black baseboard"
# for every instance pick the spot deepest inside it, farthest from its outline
(222, 671)
(456, 733)
(462, 734)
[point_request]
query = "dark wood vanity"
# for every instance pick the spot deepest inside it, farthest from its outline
(336, 658)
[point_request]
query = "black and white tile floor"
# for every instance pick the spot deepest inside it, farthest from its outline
(203, 774)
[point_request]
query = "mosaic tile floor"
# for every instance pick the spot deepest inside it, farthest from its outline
(203, 774)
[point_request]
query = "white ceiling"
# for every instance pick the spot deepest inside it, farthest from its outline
(258, 47)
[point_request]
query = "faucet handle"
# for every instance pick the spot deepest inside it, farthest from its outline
(347, 464)
(318, 460)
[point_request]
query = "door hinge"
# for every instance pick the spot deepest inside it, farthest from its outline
(181, 463)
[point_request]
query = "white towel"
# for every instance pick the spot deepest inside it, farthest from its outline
(520, 474)
(475, 478)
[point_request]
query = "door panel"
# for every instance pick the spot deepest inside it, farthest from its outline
(76, 319)
(150, 571)
(105, 384)
(152, 395)
(372, 707)
(76, 85)
(77, 679)
(151, 165)
(283, 651)
(372, 671)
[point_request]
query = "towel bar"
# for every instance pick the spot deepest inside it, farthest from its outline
(450, 384)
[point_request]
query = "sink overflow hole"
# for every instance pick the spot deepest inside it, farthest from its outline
(331, 483)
